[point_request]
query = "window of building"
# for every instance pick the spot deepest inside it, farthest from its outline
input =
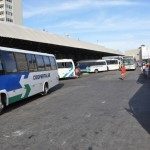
(21, 62)
(8, 13)
(10, 63)
(9, 20)
(1, 19)
(31, 62)
(1, 6)
(1, 12)
(9, 1)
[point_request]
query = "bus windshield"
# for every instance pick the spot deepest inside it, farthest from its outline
(128, 61)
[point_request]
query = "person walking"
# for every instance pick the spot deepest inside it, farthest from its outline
(147, 70)
(123, 72)
(143, 69)
(77, 72)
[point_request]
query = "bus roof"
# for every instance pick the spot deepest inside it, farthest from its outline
(111, 59)
(64, 60)
(97, 60)
(24, 51)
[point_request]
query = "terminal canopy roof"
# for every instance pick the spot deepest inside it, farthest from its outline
(16, 32)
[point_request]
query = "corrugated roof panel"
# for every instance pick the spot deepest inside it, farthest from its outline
(24, 33)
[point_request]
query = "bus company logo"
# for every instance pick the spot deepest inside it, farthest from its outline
(41, 76)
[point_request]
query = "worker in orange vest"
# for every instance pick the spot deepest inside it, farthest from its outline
(123, 72)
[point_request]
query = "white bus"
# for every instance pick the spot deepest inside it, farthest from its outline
(92, 65)
(129, 62)
(25, 73)
(113, 64)
(66, 68)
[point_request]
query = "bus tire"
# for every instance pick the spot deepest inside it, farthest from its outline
(2, 102)
(45, 91)
(107, 68)
(96, 70)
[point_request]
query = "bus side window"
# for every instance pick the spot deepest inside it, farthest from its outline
(68, 65)
(31, 62)
(53, 63)
(10, 63)
(21, 62)
(108, 62)
(40, 63)
(63, 65)
(47, 63)
(1, 66)
(60, 65)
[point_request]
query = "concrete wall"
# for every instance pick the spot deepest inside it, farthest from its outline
(17, 12)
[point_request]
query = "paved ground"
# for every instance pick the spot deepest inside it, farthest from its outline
(95, 112)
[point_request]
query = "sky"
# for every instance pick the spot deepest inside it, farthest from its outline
(117, 24)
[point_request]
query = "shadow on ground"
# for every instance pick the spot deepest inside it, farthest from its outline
(139, 104)
(30, 99)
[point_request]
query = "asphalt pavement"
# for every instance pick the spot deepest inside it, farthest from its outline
(95, 112)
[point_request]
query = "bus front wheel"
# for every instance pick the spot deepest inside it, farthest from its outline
(2, 102)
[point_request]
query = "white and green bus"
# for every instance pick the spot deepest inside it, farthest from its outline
(113, 64)
(129, 62)
(92, 65)
(66, 68)
(25, 73)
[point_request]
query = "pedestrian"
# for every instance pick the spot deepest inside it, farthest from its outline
(77, 72)
(146, 70)
(123, 72)
(143, 69)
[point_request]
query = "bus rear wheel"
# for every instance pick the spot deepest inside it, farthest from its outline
(96, 71)
(45, 89)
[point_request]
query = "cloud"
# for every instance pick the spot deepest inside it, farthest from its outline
(50, 8)
(108, 24)
(94, 20)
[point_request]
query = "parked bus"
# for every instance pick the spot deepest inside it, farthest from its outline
(113, 64)
(129, 62)
(66, 68)
(92, 65)
(25, 73)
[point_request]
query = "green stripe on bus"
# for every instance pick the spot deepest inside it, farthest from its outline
(68, 72)
(15, 98)
(19, 97)
(28, 89)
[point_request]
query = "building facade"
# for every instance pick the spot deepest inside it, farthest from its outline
(11, 11)
(135, 53)
(144, 52)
